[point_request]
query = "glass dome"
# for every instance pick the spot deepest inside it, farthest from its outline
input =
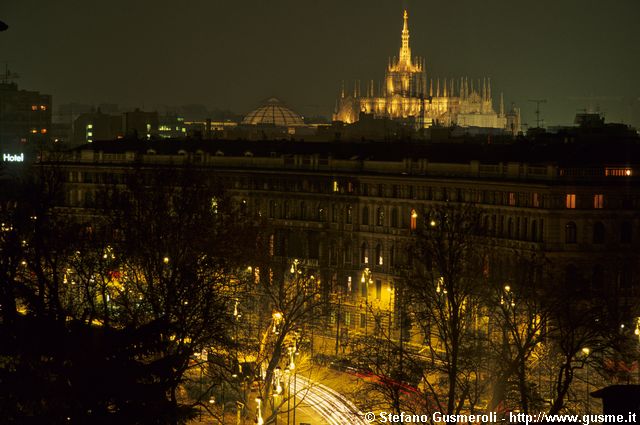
(274, 112)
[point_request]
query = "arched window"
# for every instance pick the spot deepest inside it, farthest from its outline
(303, 211)
(626, 276)
(379, 260)
(392, 256)
(413, 220)
(570, 232)
(365, 215)
(349, 214)
(626, 232)
(348, 253)
(534, 230)
(597, 281)
(333, 254)
(272, 208)
(364, 253)
(394, 217)
(570, 275)
(286, 211)
(510, 228)
(334, 213)
(321, 213)
(598, 233)
(380, 217)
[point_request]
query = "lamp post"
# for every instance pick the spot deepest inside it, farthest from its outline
(287, 374)
(277, 384)
(637, 333)
(293, 352)
(366, 280)
(586, 351)
(259, 419)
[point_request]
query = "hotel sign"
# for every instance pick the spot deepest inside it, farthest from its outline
(7, 157)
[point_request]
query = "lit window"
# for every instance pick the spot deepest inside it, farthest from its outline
(512, 199)
(148, 128)
(618, 172)
(34, 107)
(335, 186)
(536, 200)
(89, 133)
(43, 107)
(43, 131)
(364, 253)
(598, 201)
(34, 131)
(570, 200)
(89, 126)
(414, 220)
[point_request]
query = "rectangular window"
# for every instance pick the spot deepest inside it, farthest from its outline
(378, 289)
(336, 188)
(512, 199)
(414, 220)
(363, 320)
(598, 201)
(570, 200)
(536, 200)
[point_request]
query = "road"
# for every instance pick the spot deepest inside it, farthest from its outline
(333, 407)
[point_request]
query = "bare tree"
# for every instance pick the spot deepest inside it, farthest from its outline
(447, 293)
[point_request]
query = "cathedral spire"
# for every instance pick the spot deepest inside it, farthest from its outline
(484, 89)
(405, 50)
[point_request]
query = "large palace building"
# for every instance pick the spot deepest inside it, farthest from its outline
(408, 95)
(351, 210)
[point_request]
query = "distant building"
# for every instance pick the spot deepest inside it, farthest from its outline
(25, 116)
(171, 126)
(92, 126)
(141, 124)
(407, 95)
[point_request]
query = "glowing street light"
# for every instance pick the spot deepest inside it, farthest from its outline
(259, 419)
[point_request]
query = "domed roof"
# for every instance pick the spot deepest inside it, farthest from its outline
(274, 112)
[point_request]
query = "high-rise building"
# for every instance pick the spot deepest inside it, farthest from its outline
(25, 116)
(408, 94)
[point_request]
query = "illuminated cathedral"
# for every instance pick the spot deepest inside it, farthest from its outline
(407, 95)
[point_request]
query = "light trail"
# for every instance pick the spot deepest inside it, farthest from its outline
(334, 407)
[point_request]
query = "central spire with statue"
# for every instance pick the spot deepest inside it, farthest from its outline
(407, 95)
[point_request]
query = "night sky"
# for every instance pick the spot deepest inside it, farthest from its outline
(231, 54)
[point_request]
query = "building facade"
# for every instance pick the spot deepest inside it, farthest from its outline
(25, 117)
(407, 94)
(351, 211)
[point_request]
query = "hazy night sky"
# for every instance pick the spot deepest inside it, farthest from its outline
(232, 54)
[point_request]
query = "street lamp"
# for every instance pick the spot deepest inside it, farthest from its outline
(259, 419)
(586, 351)
(277, 320)
(365, 281)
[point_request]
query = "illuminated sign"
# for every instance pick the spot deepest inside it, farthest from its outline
(7, 157)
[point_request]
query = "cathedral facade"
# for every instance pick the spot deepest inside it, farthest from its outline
(408, 95)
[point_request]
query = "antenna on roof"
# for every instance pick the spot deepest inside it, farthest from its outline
(538, 102)
(8, 76)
